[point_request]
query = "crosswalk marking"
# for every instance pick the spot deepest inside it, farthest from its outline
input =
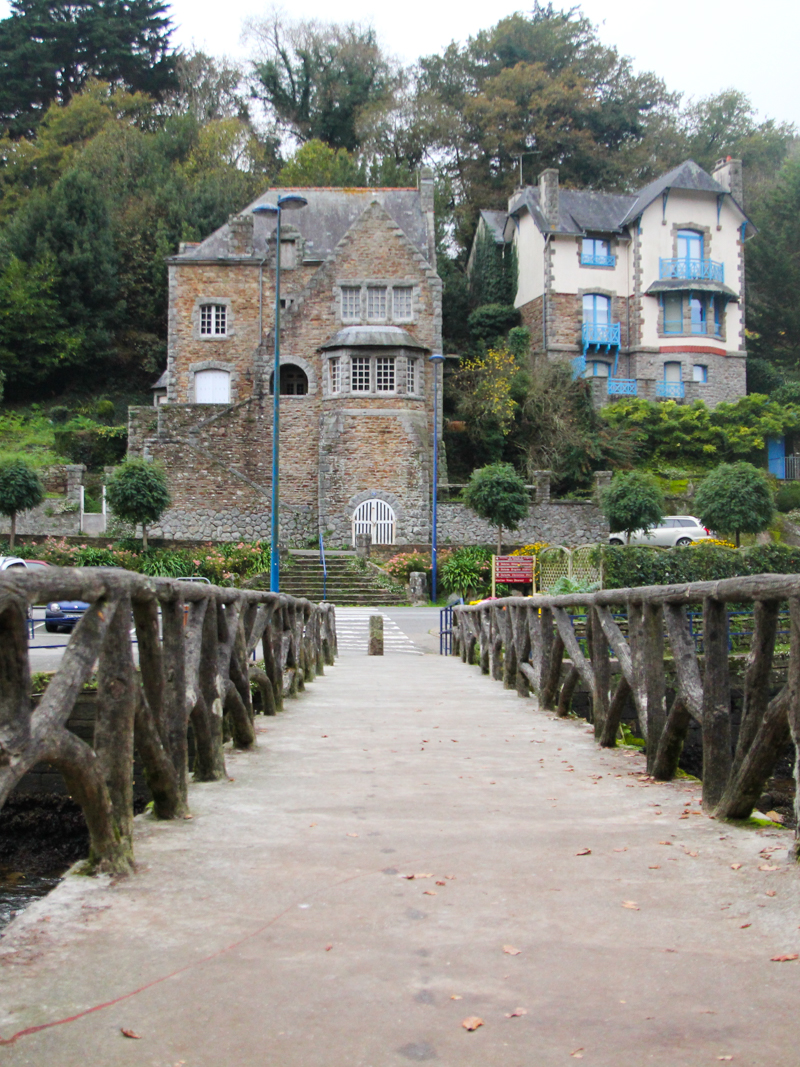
(352, 632)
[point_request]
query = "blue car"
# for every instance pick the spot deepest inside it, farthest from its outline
(60, 616)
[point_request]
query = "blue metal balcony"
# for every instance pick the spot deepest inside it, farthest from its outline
(701, 270)
(578, 367)
(670, 390)
(622, 387)
(590, 260)
(604, 335)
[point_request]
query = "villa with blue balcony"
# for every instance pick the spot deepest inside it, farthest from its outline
(641, 293)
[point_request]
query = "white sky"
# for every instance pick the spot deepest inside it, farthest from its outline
(698, 46)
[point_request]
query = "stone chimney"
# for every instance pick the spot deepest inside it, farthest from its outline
(548, 196)
(240, 242)
(425, 186)
(728, 172)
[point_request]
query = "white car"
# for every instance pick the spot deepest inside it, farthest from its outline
(676, 530)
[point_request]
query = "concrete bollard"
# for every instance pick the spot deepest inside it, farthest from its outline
(363, 545)
(375, 647)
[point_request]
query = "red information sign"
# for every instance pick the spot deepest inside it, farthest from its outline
(514, 570)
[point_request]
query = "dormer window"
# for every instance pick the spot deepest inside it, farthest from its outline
(213, 320)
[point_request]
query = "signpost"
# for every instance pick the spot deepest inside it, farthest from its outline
(513, 570)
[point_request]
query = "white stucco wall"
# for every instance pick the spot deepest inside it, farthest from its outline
(569, 276)
(529, 244)
(688, 211)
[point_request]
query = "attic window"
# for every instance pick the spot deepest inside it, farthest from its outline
(213, 320)
(351, 303)
(376, 302)
(401, 303)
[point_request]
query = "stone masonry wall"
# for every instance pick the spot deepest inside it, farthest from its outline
(55, 516)
(569, 523)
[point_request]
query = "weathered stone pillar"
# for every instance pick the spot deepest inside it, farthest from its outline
(418, 587)
(375, 647)
(541, 479)
(363, 545)
(602, 480)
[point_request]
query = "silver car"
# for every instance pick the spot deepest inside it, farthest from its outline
(676, 530)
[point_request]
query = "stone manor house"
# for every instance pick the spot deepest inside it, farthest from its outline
(644, 293)
(361, 314)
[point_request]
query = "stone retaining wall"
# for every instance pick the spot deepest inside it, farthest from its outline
(563, 522)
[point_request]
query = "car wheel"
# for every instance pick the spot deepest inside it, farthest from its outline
(615, 541)
(683, 541)
(50, 628)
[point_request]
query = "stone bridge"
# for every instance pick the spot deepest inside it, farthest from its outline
(408, 863)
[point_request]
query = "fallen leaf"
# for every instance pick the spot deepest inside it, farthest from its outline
(441, 883)
(630, 904)
(625, 849)
(735, 866)
(785, 958)
(768, 867)
(188, 816)
(745, 925)
(429, 893)
(352, 835)
(770, 893)
(655, 866)
(450, 877)
(422, 875)
(328, 948)
(511, 951)
(584, 852)
(724, 1057)
(688, 853)
(130, 1033)
(665, 842)
(455, 996)
(472, 1022)
(774, 815)
(517, 1011)
(311, 824)
(578, 1053)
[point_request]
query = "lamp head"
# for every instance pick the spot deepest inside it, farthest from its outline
(265, 209)
(291, 201)
(436, 357)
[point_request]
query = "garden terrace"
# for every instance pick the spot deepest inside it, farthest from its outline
(531, 645)
(195, 643)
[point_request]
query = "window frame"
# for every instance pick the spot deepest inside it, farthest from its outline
(702, 378)
(596, 252)
(215, 312)
(357, 363)
(690, 238)
(405, 289)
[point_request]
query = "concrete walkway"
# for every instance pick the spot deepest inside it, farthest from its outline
(276, 927)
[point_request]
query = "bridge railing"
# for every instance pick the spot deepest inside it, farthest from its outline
(526, 643)
(194, 644)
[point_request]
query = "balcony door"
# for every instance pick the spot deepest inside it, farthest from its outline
(690, 246)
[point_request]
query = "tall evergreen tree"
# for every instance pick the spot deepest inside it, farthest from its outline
(49, 49)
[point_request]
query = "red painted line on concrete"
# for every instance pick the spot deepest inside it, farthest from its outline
(164, 978)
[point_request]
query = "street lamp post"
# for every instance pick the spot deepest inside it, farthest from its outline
(435, 360)
(288, 202)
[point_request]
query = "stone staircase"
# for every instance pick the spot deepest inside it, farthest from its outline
(302, 576)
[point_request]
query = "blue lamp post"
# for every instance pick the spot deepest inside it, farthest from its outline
(435, 360)
(287, 202)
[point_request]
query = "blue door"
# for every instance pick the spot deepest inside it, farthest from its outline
(776, 456)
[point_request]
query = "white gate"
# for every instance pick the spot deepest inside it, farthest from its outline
(376, 518)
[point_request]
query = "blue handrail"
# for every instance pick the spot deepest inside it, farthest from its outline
(324, 567)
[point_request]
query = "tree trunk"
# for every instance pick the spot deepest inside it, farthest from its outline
(13, 531)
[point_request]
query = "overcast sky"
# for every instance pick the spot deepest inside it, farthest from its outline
(698, 46)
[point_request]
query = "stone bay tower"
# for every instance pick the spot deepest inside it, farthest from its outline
(361, 313)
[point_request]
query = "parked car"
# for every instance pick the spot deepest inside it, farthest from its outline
(62, 615)
(676, 530)
(7, 562)
(35, 564)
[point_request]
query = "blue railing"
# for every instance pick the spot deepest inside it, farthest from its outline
(578, 367)
(671, 390)
(446, 629)
(622, 387)
(589, 260)
(705, 270)
(594, 333)
(324, 567)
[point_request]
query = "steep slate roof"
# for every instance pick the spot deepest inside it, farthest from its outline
(322, 223)
(495, 222)
(582, 211)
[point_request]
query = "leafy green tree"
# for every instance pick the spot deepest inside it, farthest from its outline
(498, 494)
(316, 163)
(762, 377)
(736, 498)
(317, 78)
(20, 490)
(632, 502)
(50, 49)
(137, 493)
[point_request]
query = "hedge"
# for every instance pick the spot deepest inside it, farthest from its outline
(96, 447)
(626, 566)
